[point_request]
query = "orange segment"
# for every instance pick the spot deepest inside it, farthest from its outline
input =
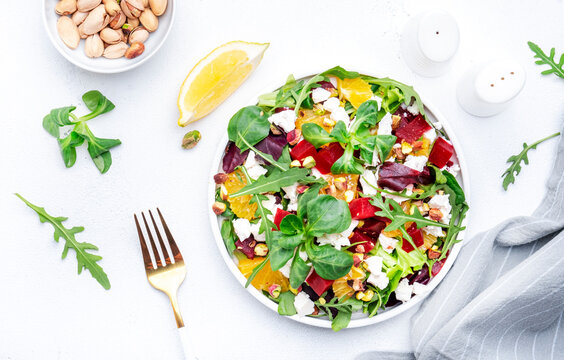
(423, 149)
(308, 116)
(356, 91)
(240, 205)
(337, 185)
(265, 276)
(342, 288)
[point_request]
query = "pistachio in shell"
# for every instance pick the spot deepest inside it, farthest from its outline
(110, 36)
(93, 46)
(134, 50)
(95, 21)
(112, 7)
(87, 5)
(149, 20)
(191, 139)
(78, 17)
(117, 20)
(65, 7)
(158, 6)
(139, 34)
(68, 31)
(115, 51)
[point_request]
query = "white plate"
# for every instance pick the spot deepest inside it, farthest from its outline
(101, 64)
(358, 319)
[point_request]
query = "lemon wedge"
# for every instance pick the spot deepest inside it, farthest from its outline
(215, 77)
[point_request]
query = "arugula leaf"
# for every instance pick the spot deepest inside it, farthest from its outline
(85, 260)
(281, 165)
(544, 59)
(398, 216)
(409, 94)
(341, 73)
(68, 147)
(452, 183)
(248, 126)
(515, 161)
(316, 135)
(328, 262)
(327, 215)
(306, 90)
(273, 182)
(298, 271)
(97, 103)
(286, 304)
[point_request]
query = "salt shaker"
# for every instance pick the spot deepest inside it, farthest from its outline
(488, 88)
(429, 41)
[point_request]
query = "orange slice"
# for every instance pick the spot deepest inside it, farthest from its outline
(265, 276)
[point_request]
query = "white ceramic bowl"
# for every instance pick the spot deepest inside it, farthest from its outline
(101, 64)
(358, 319)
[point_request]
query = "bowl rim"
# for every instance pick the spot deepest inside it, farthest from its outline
(323, 322)
(109, 70)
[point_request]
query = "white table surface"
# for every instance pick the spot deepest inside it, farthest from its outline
(48, 312)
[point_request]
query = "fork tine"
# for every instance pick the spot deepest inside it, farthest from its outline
(144, 250)
(173, 247)
(155, 252)
(163, 247)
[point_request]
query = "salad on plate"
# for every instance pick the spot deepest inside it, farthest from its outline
(338, 195)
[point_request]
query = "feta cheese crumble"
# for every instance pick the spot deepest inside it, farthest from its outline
(242, 228)
(338, 240)
(291, 193)
(340, 114)
(442, 203)
(413, 109)
(433, 230)
(253, 166)
(285, 119)
(377, 277)
(387, 243)
(419, 288)
(404, 290)
(320, 95)
(368, 178)
(331, 104)
(303, 304)
(454, 169)
(416, 162)
(431, 135)
(255, 230)
(385, 125)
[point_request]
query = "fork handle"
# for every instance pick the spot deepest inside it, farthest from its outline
(186, 344)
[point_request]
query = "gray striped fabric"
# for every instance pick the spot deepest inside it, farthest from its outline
(504, 296)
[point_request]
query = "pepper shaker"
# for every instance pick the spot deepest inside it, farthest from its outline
(488, 88)
(429, 41)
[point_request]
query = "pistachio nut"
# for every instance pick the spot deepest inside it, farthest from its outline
(158, 6)
(65, 7)
(110, 36)
(134, 22)
(68, 32)
(191, 139)
(112, 7)
(87, 5)
(135, 50)
(149, 20)
(145, 3)
(81, 32)
(78, 17)
(115, 51)
(117, 21)
(139, 34)
(95, 20)
(127, 29)
(124, 37)
(94, 46)
(132, 8)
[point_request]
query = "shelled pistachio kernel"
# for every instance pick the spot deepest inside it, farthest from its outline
(191, 139)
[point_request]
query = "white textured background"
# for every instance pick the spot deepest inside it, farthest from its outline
(48, 312)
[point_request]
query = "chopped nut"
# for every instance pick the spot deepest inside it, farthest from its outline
(418, 145)
(301, 189)
(395, 121)
(315, 310)
(406, 148)
(435, 214)
(318, 109)
(440, 192)
(349, 196)
(219, 207)
(358, 285)
(191, 138)
(261, 249)
(331, 190)
(426, 207)
(358, 257)
(274, 129)
(223, 194)
(220, 178)
(328, 122)
(359, 295)
(274, 290)
(308, 162)
(341, 183)
(433, 254)
(322, 301)
(295, 163)
(359, 249)
(293, 137)
(398, 153)
(368, 295)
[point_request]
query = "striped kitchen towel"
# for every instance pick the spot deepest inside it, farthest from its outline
(504, 296)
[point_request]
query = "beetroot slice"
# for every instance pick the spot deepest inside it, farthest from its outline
(233, 157)
(441, 153)
(247, 246)
(413, 130)
(397, 176)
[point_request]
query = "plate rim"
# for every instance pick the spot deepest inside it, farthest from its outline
(322, 322)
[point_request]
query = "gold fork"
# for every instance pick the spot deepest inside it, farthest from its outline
(168, 276)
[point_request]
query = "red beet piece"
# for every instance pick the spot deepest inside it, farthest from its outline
(361, 208)
(397, 176)
(437, 266)
(318, 284)
(247, 246)
(327, 156)
(416, 236)
(363, 243)
(373, 227)
(413, 130)
(280, 214)
(326, 85)
(441, 153)
(302, 150)
(280, 109)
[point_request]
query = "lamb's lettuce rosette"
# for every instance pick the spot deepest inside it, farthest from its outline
(338, 195)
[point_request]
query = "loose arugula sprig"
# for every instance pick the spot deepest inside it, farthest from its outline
(544, 59)
(98, 148)
(515, 161)
(84, 259)
(356, 137)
